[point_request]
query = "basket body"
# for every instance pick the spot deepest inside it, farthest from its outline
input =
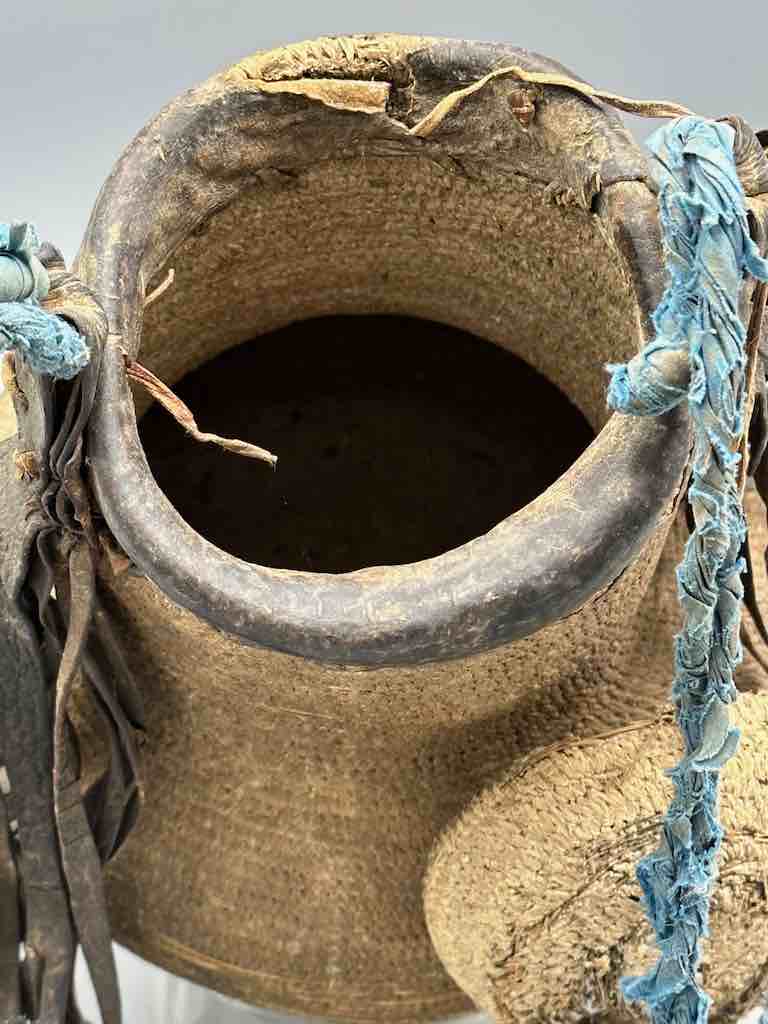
(310, 735)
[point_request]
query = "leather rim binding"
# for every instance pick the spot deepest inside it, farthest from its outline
(537, 566)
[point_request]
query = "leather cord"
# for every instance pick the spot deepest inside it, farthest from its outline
(55, 838)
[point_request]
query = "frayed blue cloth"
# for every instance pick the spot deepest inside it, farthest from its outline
(697, 354)
(48, 343)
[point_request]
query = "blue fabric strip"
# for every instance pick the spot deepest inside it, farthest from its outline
(698, 354)
(47, 342)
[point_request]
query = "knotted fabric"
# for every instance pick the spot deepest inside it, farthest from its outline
(698, 355)
(47, 342)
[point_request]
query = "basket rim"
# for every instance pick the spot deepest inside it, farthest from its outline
(539, 565)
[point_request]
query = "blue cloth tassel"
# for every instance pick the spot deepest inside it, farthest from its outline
(698, 354)
(47, 342)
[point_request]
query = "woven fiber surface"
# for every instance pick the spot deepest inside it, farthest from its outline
(531, 895)
(291, 807)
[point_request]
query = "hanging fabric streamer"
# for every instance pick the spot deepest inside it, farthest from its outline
(698, 354)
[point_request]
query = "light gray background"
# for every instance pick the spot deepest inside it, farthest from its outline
(81, 77)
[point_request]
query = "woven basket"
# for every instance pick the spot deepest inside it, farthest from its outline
(340, 698)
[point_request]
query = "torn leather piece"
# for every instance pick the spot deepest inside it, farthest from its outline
(112, 801)
(79, 854)
(51, 861)
(10, 924)
(26, 748)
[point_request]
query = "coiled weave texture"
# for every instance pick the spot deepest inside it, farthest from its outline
(698, 355)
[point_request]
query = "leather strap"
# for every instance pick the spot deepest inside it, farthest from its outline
(55, 838)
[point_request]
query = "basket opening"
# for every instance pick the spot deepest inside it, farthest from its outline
(396, 333)
(397, 438)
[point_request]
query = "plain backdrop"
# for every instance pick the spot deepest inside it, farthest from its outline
(81, 77)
